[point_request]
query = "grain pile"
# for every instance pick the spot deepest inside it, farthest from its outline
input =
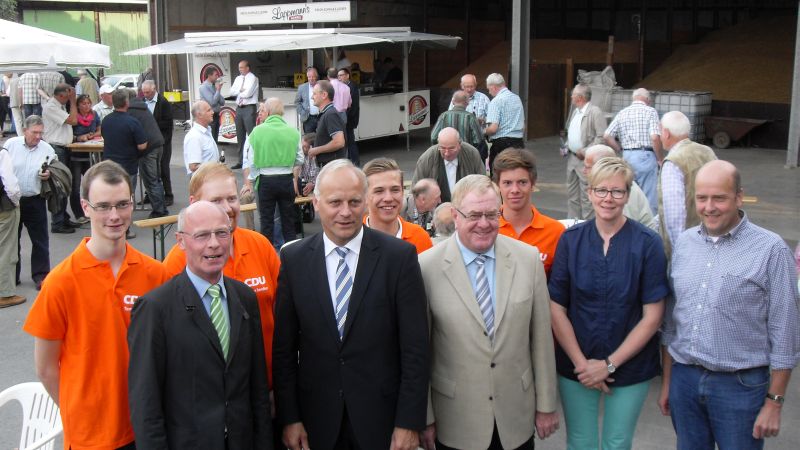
(750, 62)
(547, 51)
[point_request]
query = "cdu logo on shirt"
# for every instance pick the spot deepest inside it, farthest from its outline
(128, 301)
(258, 284)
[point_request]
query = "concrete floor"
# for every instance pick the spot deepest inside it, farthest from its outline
(764, 176)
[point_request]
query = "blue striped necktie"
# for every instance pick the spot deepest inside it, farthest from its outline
(483, 295)
(344, 285)
(218, 318)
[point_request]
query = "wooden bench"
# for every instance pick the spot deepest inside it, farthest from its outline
(162, 225)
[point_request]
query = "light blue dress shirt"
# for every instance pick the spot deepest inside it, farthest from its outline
(201, 286)
(472, 269)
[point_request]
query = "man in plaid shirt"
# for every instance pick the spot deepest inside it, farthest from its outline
(462, 120)
(637, 129)
(31, 101)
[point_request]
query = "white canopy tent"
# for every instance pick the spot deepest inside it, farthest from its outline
(25, 48)
(301, 39)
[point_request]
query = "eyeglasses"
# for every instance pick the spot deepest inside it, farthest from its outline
(490, 216)
(204, 236)
(615, 193)
(107, 207)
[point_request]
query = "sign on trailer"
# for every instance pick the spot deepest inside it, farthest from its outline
(293, 13)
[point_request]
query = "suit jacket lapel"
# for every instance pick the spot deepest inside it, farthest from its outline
(367, 260)
(503, 274)
(456, 273)
(319, 279)
(194, 304)
(237, 313)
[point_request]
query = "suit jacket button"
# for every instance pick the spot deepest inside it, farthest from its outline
(491, 398)
(485, 333)
(492, 365)
(341, 360)
(341, 393)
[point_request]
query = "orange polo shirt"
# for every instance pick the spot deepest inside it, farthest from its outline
(254, 263)
(413, 234)
(84, 306)
(543, 233)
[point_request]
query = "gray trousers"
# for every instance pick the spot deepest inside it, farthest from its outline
(9, 222)
(578, 204)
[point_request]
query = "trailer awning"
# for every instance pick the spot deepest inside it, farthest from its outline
(301, 39)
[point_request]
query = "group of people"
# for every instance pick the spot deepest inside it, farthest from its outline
(408, 322)
(44, 173)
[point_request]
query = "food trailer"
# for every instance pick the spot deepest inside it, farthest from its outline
(382, 113)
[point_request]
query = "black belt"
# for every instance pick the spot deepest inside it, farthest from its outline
(246, 106)
(277, 175)
(648, 149)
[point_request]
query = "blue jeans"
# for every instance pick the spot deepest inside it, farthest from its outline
(645, 170)
(31, 109)
(708, 407)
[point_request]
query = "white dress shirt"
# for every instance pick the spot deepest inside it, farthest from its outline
(450, 168)
(56, 130)
(332, 260)
(28, 163)
(245, 88)
(199, 146)
(574, 131)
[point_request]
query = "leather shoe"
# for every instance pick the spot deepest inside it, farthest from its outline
(12, 300)
(236, 166)
(169, 200)
(38, 284)
(72, 224)
(62, 230)
(154, 214)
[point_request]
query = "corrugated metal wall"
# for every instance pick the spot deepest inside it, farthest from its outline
(122, 31)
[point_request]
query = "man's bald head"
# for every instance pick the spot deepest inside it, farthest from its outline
(426, 194)
(449, 143)
(719, 169)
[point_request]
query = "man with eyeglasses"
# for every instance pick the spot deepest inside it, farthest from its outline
(81, 317)
(251, 259)
(197, 377)
(491, 339)
(515, 173)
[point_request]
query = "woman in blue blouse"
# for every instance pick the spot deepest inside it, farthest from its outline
(607, 286)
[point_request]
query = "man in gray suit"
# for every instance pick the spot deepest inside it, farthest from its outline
(493, 371)
(308, 112)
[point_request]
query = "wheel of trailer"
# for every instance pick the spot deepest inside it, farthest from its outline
(721, 139)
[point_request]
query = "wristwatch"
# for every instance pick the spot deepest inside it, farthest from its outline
(611, 367)
(777, 398)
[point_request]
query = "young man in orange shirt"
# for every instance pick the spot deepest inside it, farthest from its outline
(514, 171)
(81, 317)
(252, 261)
(384, 201)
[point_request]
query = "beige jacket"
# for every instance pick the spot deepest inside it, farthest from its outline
(593, 125)
(474, 383)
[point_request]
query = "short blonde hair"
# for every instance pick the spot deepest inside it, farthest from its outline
(478, 184)
(610, 166)
(205, 172)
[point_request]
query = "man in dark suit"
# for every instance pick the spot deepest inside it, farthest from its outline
(353, 113)
(352, 306)
(196, 377)
(162, 112)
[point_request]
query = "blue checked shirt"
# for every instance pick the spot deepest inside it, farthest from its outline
(735, 304)
(673, 194)
(634, 125)
(506, 111)
(478, 105)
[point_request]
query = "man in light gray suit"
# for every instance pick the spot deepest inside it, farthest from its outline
(308, 112)
(493, 371)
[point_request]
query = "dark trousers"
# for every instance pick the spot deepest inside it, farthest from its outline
(347, 438)
(31, 109)
(78, 165)
(61, 216)
(310, 125)
(33, 216)
(245, 122)
(149, 170)
(4, 112)
(352, 147)
(500, 144)
(272, 190)
(494, 445)
(166, 156)
(215, 126)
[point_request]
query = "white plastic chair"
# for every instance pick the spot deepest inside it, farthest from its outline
(41, 420)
